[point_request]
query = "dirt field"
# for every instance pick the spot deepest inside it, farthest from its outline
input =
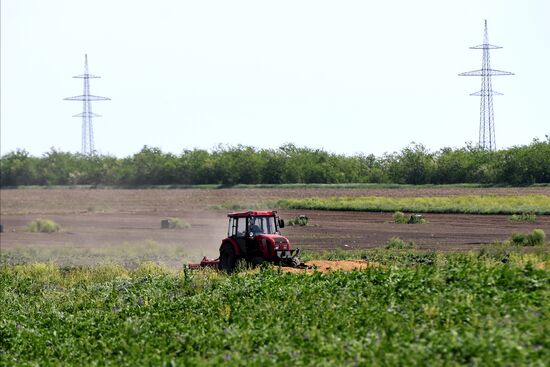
(325, 266)
(113, 218)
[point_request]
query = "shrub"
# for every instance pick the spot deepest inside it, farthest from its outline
(174, 223)
(177, 223)
(43, 226)
(400, 217)
(524, 217)
(537, 237)
(416, 219)
(300, 220)
(398, 243)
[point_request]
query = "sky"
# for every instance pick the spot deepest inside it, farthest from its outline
(348, 77)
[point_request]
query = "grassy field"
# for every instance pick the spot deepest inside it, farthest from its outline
(416, 308)
(469, 204)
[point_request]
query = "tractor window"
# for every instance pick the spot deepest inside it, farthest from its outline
(265, 225)
(241, 226)
(230, 228)
(237, 227)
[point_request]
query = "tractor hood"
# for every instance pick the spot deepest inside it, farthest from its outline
(274, 246)
(277, 239)
(273, 237)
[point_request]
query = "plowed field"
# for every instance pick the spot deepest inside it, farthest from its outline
(111, 218)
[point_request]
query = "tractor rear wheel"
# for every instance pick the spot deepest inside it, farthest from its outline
(228, 259)
(257, 261)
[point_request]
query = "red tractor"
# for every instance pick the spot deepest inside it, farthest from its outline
(253, 237)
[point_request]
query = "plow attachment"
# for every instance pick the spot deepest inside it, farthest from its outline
(291, 262)
(205, 263)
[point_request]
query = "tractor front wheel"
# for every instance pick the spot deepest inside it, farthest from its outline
(228, 259)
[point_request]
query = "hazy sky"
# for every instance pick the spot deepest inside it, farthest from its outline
(345, 76)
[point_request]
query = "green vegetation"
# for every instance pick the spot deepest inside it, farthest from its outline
(43, 226)
(301, 220)
(454, 309)
(524, 217)
(229, 166)
(535, 238)
(400, 217)
(399, 244)
(473, 204)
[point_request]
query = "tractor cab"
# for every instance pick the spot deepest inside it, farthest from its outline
(250, 224)
(254, 236)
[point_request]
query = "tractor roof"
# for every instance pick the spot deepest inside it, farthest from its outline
(268, 213)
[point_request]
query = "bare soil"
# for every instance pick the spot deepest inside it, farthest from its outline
(357, 230)
(96, 218)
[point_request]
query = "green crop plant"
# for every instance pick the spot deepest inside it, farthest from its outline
(43, 226)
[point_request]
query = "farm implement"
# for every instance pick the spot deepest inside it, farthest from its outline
(253, 237)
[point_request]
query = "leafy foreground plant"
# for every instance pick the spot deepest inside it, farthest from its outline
(43, 226)
(459, 310)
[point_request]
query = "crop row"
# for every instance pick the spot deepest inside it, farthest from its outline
(471, 204)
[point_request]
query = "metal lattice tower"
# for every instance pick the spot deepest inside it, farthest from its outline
(87, 114)
(486, 113)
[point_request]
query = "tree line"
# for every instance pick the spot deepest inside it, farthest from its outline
(230, 165)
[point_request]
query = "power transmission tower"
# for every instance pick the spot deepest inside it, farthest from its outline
(87, 114)
(486, 113)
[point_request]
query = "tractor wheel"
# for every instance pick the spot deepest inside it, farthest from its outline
(257, 261)
(228, 259)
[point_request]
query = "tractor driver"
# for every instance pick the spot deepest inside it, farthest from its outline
(254, 228)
